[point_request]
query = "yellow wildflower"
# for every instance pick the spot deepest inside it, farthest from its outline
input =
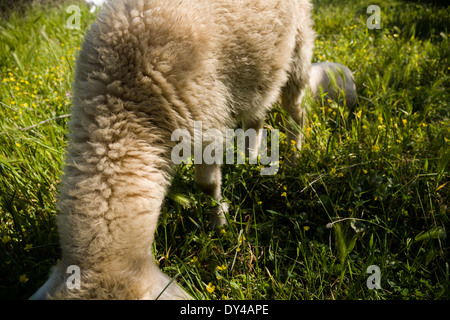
(6, 239)
(222, 267)
(210, 288)
(23, 278)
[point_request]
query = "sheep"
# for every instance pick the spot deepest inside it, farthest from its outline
(146, 68)
(94, 4)
(332, 81)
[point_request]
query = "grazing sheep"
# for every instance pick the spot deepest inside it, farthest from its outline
(146, 68)
(332, 81)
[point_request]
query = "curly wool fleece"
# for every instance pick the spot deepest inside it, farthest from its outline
(145, 69)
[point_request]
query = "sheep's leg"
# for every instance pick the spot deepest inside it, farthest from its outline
(299, 74)
(291, 102)
(254, 144)
(209, 180)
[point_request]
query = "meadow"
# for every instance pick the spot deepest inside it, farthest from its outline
(370, 187)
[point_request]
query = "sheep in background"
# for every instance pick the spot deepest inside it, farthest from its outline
(147, 68)
(332, 81)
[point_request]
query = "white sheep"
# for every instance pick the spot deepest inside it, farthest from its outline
(332, 81)
(94, 4)
(147, 68)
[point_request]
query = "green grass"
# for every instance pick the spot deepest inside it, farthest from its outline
(371, 186)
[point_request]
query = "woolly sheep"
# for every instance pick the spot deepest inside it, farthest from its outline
(333, 81)
(145, 69)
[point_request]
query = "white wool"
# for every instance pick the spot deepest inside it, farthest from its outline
(332, 81)
(146, 69)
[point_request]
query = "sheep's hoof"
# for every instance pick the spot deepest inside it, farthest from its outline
(217, 219)
(292, 159)
(165, 288)
(174, 292)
